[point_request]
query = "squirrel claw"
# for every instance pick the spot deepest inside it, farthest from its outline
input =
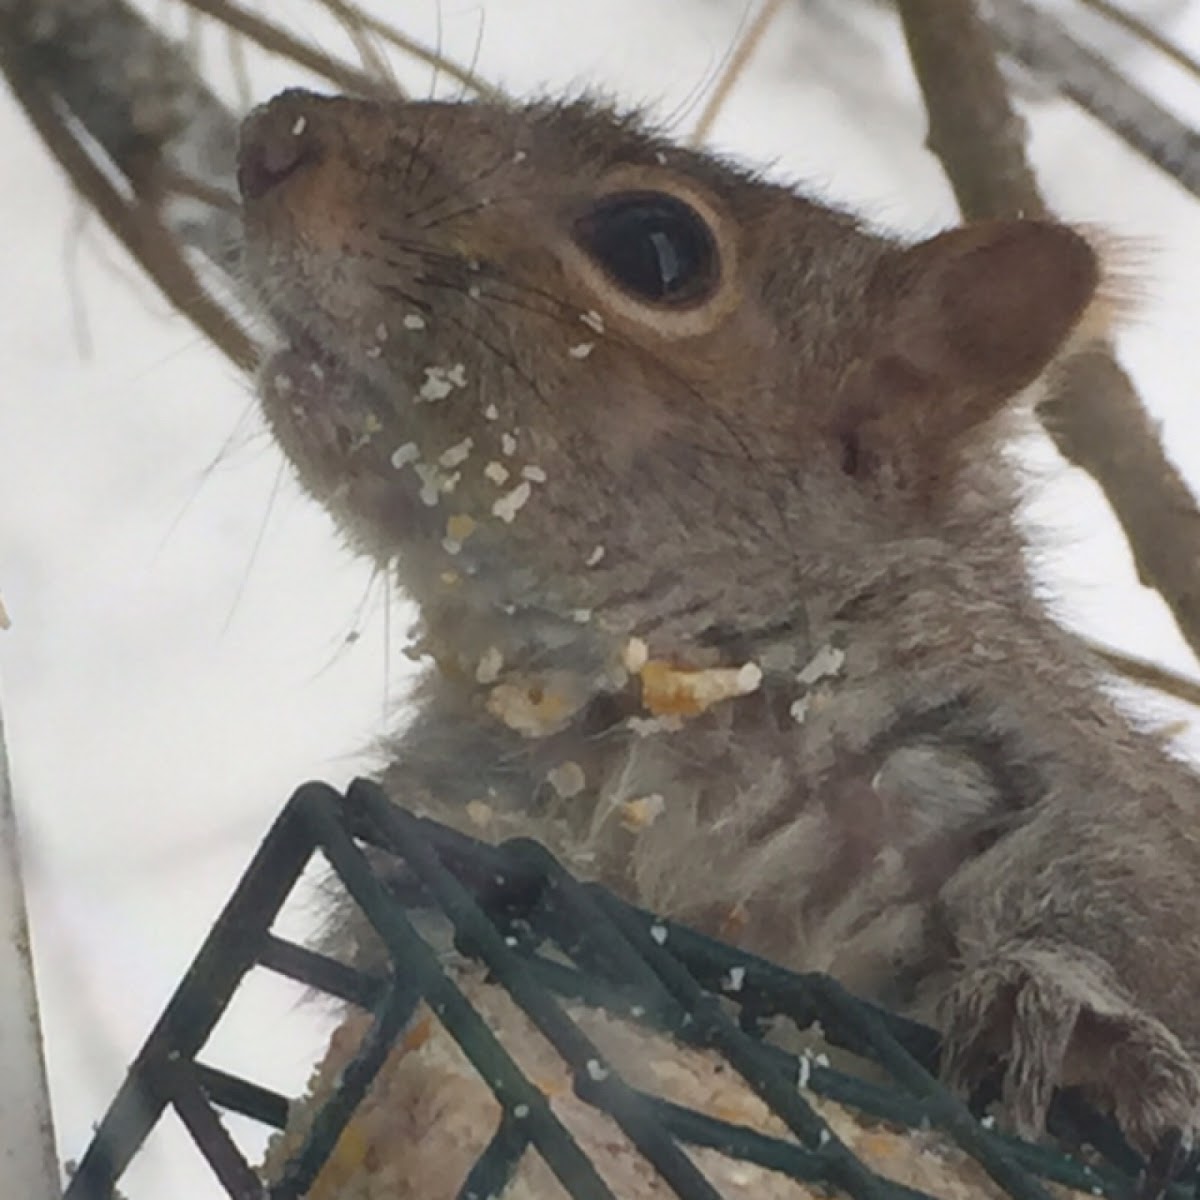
(1166, 1163)
(1054, 1015)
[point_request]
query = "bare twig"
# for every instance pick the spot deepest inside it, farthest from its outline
(734, 69)
(1094, 414)
(1147, 673)
(277, 40)
(972, 127)
(1036, 39)
(141, 103)
(414, 49)
(1095, 419)
(134, 222)
(1144, 33)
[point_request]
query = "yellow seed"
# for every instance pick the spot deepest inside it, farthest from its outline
(460, 527)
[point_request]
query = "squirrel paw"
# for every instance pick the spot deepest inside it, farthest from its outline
(1055, 1015)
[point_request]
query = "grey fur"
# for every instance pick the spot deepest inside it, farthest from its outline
(929, 793)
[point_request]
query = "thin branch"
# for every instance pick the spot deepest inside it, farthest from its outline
(973, 128)
(277, 40)
(1038, 41)
(134, 223)
(1147, 673)
(1144, 33)
(1094, 414)
(141, 103)
(1097, 423)
(734, 69)
(414, 49)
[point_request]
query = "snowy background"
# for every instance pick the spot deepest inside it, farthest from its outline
(188, 640)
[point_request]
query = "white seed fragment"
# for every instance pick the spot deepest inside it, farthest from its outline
(414, 321)
(635, 655)
(381, 332)
(508, 444)
(534, 474)
(430, 478)
(474, 292)
(567, 779)
(479, 814)
(497, 472)
(593, 320)
(581, 616)
(299, 125)
(582, 350)
(804, 1073)
(826, 662)
(403, 455)
(649, 726)
(492, 413)
(737, 976)
(660, 158)
(520, 156)
(521, 1111)
(659, 934)
(491, 662)
(507, 507)
(798, 709)
(457, 454)
(594, 558)
(441, 381)
(436, 386)
(595, 1071)
(373, 351)
(749, 678)
(316, 371)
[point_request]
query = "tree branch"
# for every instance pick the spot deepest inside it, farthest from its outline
(1093, 414)
(275, 39)
(140, 101)
(1037, 40)
(135, 223)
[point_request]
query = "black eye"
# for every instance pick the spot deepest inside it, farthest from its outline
(653, 245)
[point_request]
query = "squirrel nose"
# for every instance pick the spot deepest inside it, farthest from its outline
(277, 139)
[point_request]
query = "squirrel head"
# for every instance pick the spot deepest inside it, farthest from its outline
(539, 352)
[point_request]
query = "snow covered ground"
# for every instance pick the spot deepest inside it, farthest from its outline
(181, 651)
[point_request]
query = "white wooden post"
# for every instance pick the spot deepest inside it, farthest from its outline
(28, 1158)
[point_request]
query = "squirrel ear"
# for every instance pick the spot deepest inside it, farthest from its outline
(984, 308)
(969, 318)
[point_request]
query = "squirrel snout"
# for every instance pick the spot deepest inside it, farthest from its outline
(277, 139)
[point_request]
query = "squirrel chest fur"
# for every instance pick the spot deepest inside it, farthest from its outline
(698, 487)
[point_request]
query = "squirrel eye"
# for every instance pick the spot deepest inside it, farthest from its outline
(653, 245)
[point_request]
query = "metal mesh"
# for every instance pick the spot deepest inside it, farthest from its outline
(544, 936)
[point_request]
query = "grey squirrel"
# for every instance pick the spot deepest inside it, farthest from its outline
(699, 487)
